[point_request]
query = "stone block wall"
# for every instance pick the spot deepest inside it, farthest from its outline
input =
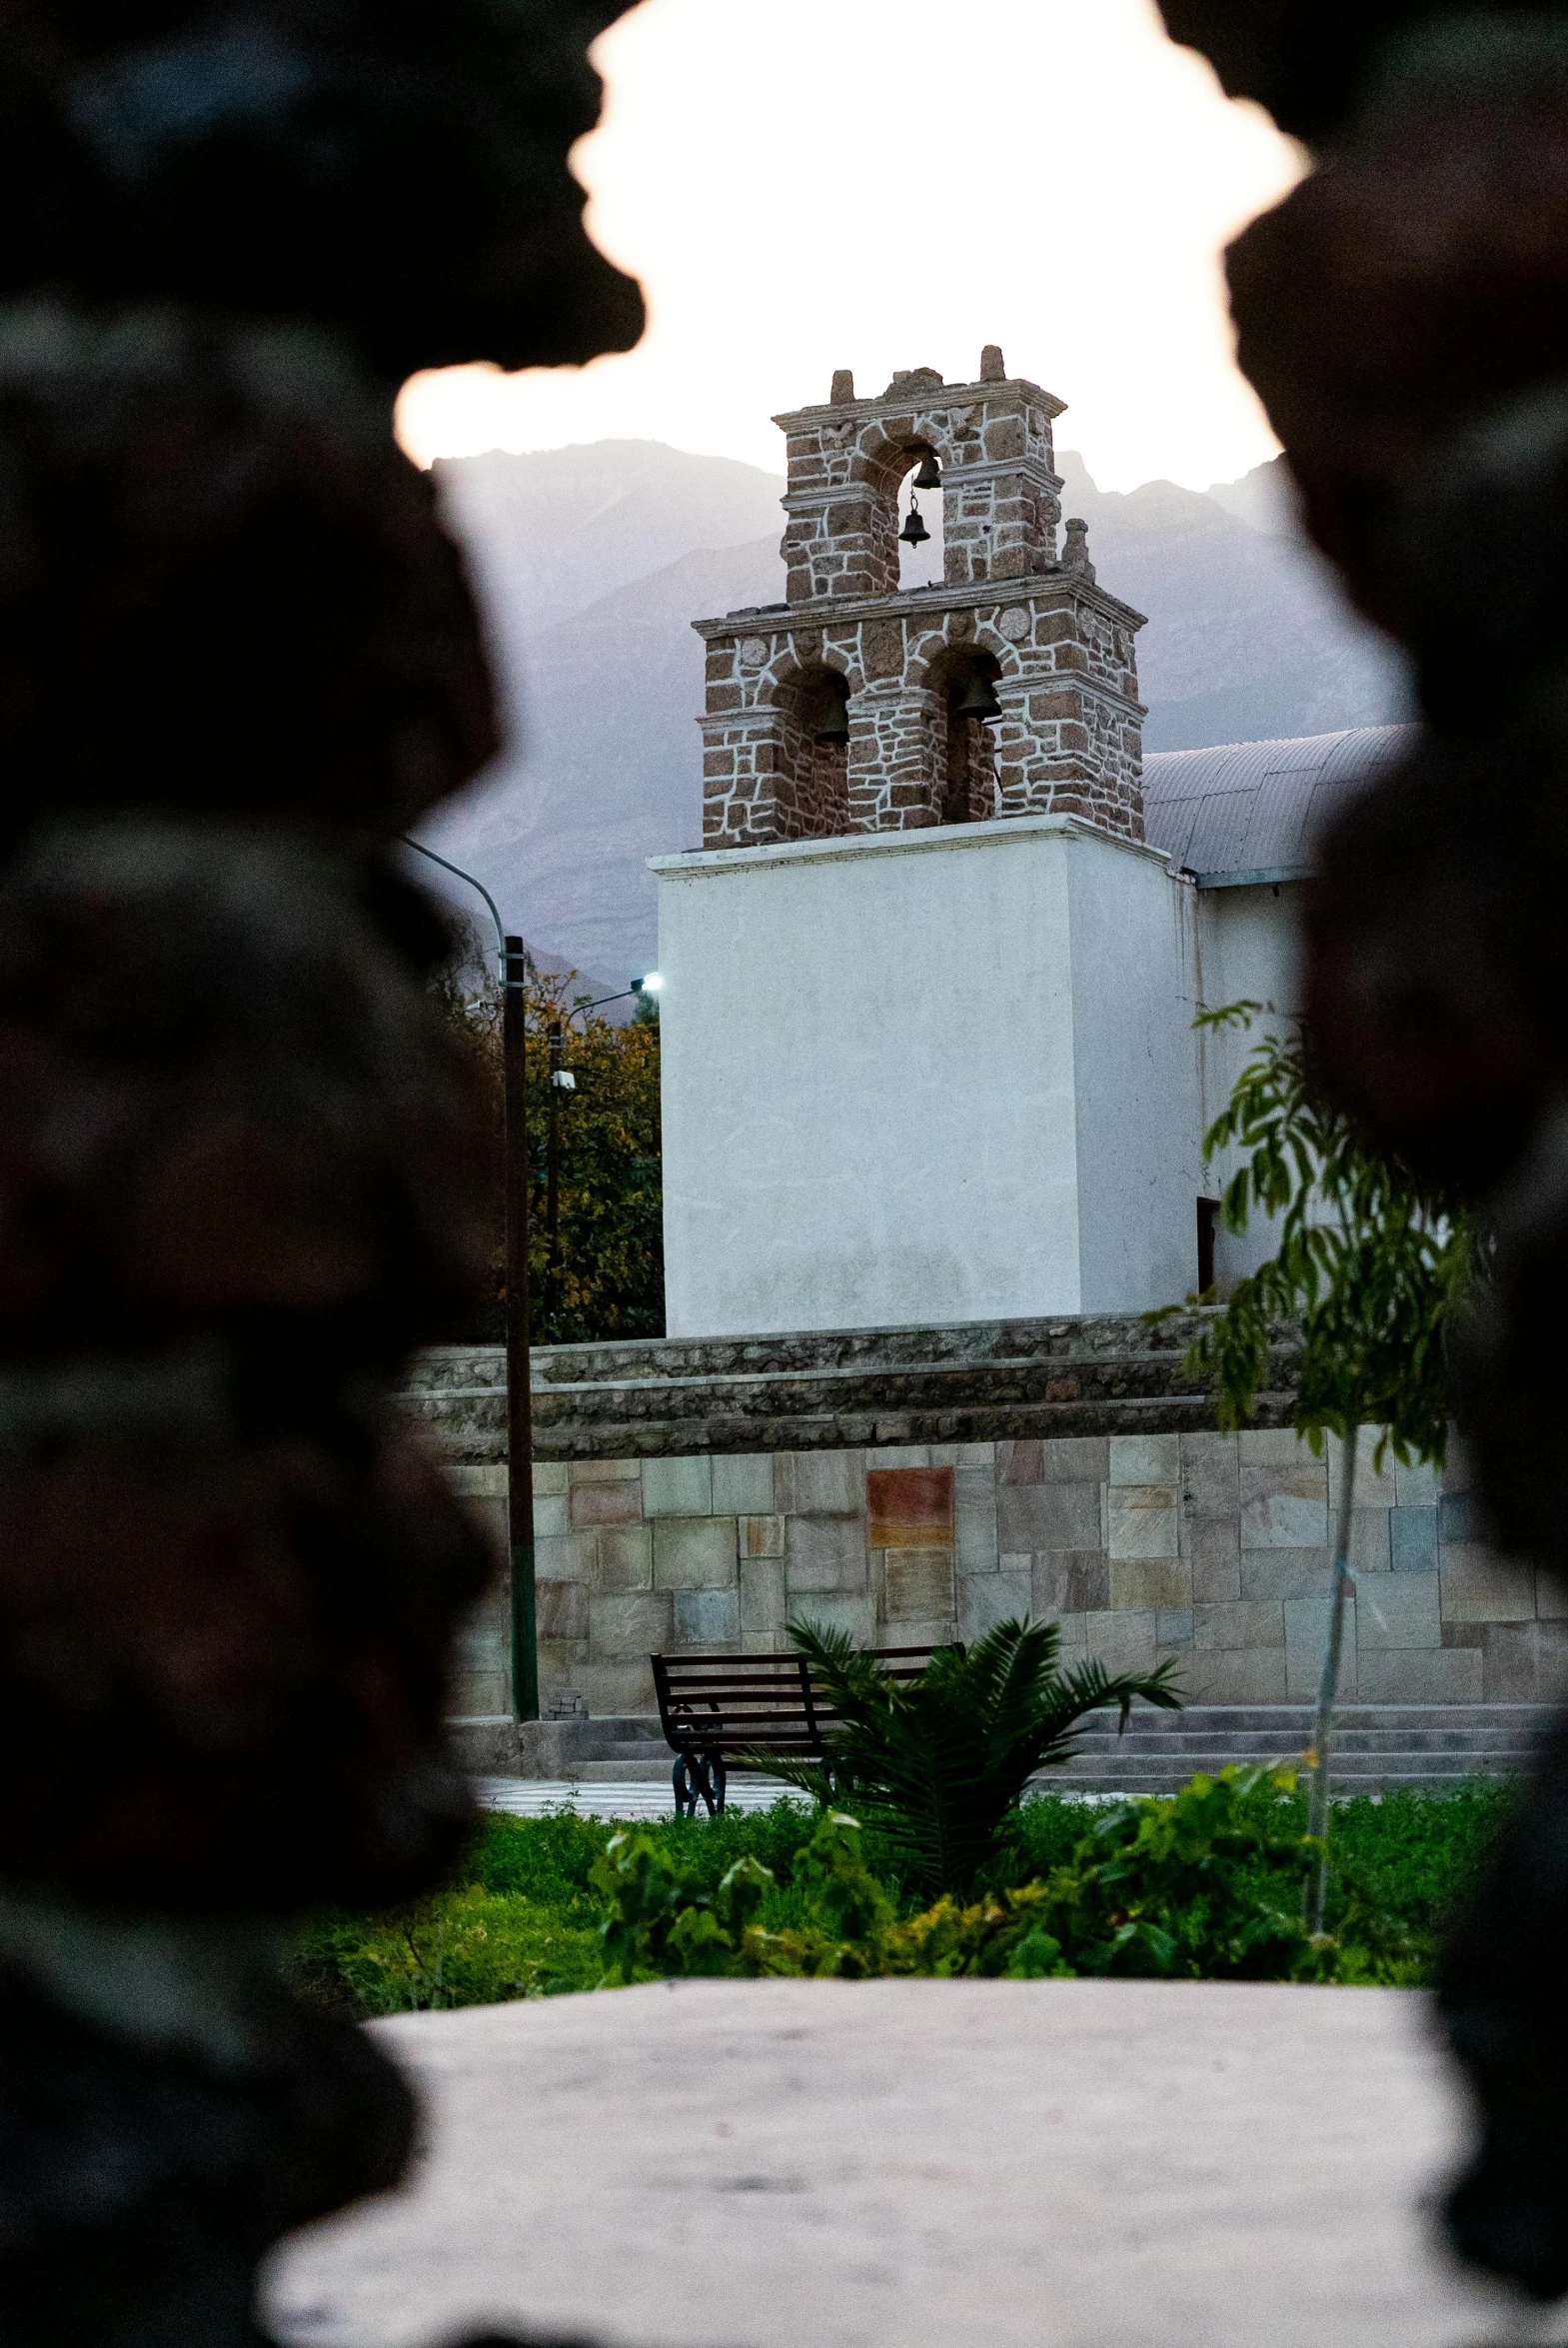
(1069, 740)
(845, 461)
(1210, 1549)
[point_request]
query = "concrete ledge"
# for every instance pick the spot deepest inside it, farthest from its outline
(1034, 2165)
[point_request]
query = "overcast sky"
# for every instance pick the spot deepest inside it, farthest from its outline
(810, 183)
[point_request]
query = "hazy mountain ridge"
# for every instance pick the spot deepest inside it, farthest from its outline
(593, 562)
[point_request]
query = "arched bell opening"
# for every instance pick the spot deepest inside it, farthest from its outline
(816, 751)
(921, 538)
(965, 683)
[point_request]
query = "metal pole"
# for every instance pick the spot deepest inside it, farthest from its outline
(552, 1172)
(520, 1399)
(520, 1391)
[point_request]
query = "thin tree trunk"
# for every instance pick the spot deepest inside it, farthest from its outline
(1328, 1690)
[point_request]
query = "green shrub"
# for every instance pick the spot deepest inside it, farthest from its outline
(468, 1947)
(937, 1766)
(1203, 1886)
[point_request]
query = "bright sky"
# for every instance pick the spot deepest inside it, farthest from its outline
(810, 183)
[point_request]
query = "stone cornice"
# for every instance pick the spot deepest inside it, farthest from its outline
(904, 398)
(922, 602)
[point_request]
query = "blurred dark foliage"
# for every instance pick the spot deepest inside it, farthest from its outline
(222, 588)
(1310, 62)
(1404, 316)
(393, 171)
(244, 1165)
(139, 2188)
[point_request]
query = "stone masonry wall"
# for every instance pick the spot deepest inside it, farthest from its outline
(1069, 740)
(1209, 1548)
(845, 461)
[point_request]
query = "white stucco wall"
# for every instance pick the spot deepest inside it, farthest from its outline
(1249, 950)
(924, 1077)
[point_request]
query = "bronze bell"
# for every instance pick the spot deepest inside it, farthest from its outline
(836, 722)
(929, 475)
(914, 532)
(979, 699)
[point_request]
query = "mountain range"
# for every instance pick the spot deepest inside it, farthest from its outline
(593, 562)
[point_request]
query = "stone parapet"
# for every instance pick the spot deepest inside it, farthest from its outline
(1060, 653)
(980, 1383)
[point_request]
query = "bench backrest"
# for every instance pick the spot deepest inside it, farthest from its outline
(735, 1703)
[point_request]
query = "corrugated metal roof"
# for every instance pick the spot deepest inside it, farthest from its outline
(1249, 810)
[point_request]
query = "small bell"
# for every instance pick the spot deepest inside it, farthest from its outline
(914, 532)
(836, 724)
(929, 475)
(980, 700)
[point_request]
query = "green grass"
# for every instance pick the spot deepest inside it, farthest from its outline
(521, 1916)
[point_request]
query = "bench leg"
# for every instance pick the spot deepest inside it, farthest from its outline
(695, 1775)
(686, 1792)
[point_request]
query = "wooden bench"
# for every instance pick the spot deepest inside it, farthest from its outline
(715, 1710)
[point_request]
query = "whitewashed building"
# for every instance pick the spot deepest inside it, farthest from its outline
(930, 983)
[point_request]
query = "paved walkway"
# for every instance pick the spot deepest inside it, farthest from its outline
(1075, 2164)
(654, 1797)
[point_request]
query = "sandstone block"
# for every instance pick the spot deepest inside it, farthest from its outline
(1420, 1675)
(562, 1609)
(1412, 1538)
(695, 1552)
(763, 1602)
(826, 1553)
(742, 1484)
(1210, 1471)
(571, 1556)
(1480, 1586)
(1122, 1642)
(1145, 1460)
(1247, 1623)
(1143, 1521)
(1232, 1675)
(762, 1536)
(1142, 1585)
(549, 1515)
(1071, 1582)
(629, 1626)
(1284, 1507)
(604, 1504)
(626, 1558)
(974, 1520)
(1031, 1518)
(910, 1508)
(1212, 1548)
(1287, 1574)
(991, 1598)
(603, 1472)
(678, 1487)
(1400, 1613)
(708, 1618)
(919, 1583)
(1524, 1662)
(820, 1484)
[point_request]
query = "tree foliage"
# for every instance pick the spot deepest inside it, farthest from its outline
(1366, 1270)
(936, 1766)
(609, 1279)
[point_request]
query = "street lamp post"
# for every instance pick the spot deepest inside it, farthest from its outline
(513, 973)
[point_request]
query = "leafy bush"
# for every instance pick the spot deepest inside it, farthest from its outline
(472, 1947)
(936, 1766)
(1205, 1884)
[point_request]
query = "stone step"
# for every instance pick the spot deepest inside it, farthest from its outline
(1282, 1743)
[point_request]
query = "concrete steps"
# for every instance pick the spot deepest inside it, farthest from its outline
(1377, 1747)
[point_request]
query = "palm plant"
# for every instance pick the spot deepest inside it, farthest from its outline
(938, 1764)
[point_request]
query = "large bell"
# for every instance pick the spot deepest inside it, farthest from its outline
(929, 475)
(914, 532)
(980, 700)
(834, 726)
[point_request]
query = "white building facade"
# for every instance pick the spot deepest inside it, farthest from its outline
(931, 984)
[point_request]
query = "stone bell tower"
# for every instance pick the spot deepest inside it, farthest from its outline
(860, 707)
(928, 991)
